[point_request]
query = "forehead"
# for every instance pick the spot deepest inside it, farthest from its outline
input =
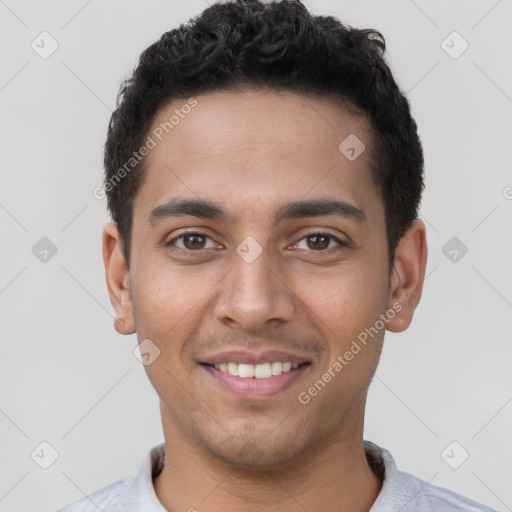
(257, 149)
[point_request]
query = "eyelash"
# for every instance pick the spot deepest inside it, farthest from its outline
(170, 243)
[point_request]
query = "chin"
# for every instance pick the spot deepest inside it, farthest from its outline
(250, 456)
(255, 448)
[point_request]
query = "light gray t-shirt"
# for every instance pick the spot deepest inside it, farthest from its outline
(401, 492)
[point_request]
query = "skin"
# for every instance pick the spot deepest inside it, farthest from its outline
(252, 152)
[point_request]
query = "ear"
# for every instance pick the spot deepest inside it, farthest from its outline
(118, 280)
(407, 276)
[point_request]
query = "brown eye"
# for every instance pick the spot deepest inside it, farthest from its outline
(191, 242)
(194, 241)
(318, 242)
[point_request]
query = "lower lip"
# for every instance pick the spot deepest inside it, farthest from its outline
(251, 388)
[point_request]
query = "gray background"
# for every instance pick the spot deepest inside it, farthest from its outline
(69, 379)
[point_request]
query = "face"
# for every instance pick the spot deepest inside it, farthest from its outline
(257, 242)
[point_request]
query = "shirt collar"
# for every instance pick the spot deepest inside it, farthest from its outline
(141, 495)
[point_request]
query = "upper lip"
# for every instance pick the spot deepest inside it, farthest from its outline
(254, 357)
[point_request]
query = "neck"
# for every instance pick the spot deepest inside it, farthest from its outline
(336, 476)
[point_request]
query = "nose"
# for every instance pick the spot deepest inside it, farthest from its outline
(254, 294)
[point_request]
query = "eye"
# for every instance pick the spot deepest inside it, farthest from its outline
(195, 241)
(319, 242)
(191, 241)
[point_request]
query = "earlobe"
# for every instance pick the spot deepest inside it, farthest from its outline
(118, 280)
(407, 276)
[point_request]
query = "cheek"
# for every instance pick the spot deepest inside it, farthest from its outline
(346, 312)
(346, 300)
(346, 307)
(168, 310)
(170, 301)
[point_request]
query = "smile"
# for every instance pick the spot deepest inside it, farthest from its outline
(256, 380)
(257, 371)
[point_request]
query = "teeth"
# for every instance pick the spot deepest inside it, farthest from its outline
(258, 371)
(263, 371)
(232, 369)
(287, 367)
(277, 368)
(246, 371)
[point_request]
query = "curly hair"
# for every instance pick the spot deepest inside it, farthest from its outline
(278, 45)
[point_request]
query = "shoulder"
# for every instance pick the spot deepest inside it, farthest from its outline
(128, 494)
(108, 499)
(425, 496)
(408, 493)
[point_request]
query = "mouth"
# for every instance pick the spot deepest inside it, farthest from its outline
(256, 371)
(249, 376)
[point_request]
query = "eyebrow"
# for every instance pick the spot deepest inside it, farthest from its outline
(203, 209)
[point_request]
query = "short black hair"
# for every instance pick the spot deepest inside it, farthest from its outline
(278, 45)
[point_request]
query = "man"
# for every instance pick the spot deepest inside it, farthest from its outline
(264, 173)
